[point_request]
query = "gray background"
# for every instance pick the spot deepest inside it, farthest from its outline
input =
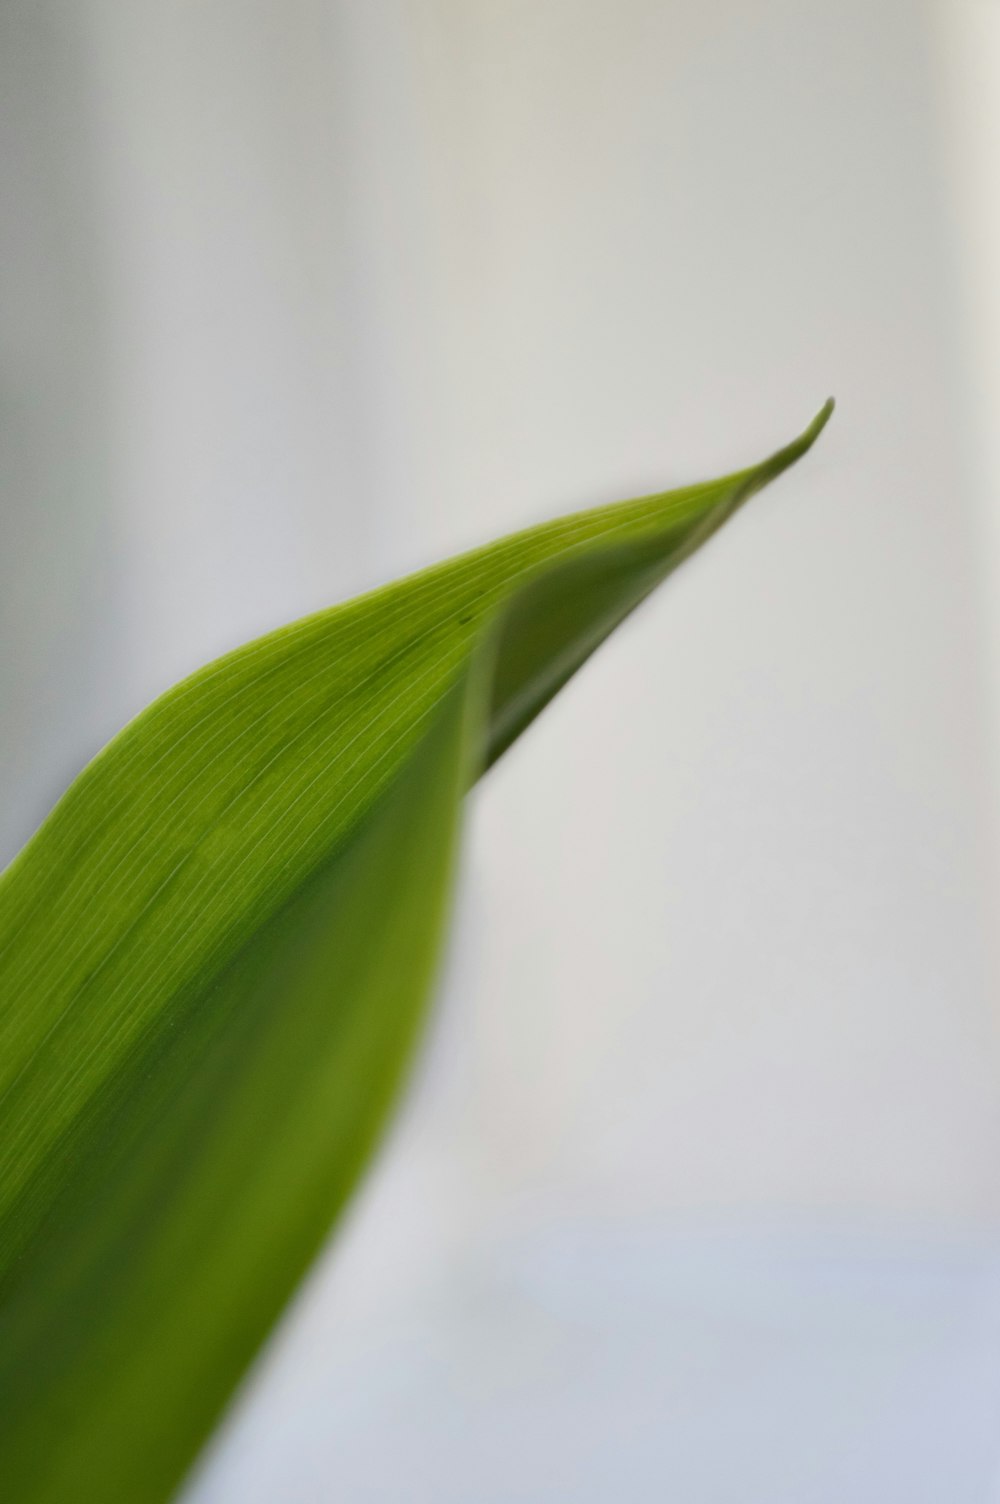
(696, 1192)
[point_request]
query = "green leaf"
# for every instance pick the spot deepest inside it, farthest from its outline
(214, 956)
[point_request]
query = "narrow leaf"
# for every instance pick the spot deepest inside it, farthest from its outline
(214, 956)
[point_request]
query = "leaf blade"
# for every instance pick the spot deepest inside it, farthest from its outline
(134, 921)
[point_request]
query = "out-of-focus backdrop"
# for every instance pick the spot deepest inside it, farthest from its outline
(696, 1194)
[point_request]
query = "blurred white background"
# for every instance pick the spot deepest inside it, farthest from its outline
(697, 1191)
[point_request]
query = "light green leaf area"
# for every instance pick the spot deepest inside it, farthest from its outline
(214, 957)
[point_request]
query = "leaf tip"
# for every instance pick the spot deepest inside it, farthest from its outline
(779, 462)
(807, 438)
(820, 421)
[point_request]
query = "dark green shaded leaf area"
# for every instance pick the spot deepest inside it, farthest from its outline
(214, 959)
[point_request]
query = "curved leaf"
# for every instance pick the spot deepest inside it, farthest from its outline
(213, 959)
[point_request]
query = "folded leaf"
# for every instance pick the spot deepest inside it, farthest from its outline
(214, 956)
